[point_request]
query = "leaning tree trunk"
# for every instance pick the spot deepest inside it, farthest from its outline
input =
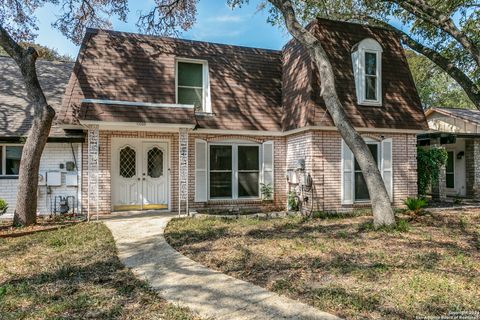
(26, 207)
(381, 207)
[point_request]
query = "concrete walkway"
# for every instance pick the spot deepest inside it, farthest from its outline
(211, 294)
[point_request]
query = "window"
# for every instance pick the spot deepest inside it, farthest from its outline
(10, 156)
(192, 84)
(361, 190)
(221, 171)
(234, 171)
(248, 171)
(354, 187)
(450, 170)
(366, 60)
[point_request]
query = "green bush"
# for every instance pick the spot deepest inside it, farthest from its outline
(3, 206)
(415, 205)
(429, 162)
(267, 191)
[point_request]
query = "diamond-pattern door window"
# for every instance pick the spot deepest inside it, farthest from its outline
(128, 162)
(155, 162)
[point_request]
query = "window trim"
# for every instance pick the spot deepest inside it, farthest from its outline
(379, 158)
(207, 106)
(367, 45)
(3, 160)
(234, 145)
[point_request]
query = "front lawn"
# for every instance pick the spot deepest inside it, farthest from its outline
(73, 273)
(430, 266)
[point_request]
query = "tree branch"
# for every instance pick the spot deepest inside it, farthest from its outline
(431, 15)
(470, 88)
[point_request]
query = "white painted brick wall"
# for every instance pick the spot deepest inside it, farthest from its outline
(53, 155)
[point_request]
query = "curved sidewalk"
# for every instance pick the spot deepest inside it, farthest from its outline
(142, 247)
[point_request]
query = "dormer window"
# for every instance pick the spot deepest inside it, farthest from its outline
(192, 84)
(367, 69)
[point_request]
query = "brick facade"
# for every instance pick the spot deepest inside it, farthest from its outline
(320, 149)
(322, 153)
(472, 167)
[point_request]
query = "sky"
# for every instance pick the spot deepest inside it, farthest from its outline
(216, 22)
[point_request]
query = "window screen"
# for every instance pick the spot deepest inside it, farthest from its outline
(190, 84)
(220, 171)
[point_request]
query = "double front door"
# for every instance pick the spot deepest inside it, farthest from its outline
(139, 175)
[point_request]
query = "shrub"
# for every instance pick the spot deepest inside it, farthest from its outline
(415, 205)
(3, 206)
(292, 201)
(429, 162)
(266, 191)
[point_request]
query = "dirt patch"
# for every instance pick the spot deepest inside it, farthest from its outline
(426, 266)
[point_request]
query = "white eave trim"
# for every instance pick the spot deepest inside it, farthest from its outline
(294, 131)
(136, 126)
(143, 126)
(138, 104)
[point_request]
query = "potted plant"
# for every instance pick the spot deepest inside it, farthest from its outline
(3, 206)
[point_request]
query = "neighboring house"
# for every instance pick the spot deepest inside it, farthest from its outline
(458, 130)
(16, 113)
(174, 124)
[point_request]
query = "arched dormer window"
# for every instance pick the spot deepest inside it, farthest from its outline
(367, 69)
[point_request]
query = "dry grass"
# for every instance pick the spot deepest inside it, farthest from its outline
(429, 266)
(73, 273)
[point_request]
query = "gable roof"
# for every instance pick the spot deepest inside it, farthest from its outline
(16, 111)
(245, 83)
(401, 106)
(251, 89)
(468, 115)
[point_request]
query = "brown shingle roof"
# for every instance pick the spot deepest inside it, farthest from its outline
(251, 89)
(401, 107)
(245, 82)
(464, 114)
(141, 114)
(16, 111)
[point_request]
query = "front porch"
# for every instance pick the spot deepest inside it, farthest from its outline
(134, 170)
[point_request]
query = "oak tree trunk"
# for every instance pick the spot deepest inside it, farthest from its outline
(382, 210)
(43, 114)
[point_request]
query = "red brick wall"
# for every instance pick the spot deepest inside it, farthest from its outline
(322, 153)
(105, 169)
(320, 149)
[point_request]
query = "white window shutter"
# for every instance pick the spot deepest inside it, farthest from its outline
(267, 163)
(347, 174)
(386, 165)
(200, 170)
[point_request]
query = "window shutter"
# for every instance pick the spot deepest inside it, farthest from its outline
(200, 170)
(267, 163)
(347, 174)
(386, 165)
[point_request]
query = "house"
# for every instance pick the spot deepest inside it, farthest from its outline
(61, 158)
(458, 131)
(176, 125)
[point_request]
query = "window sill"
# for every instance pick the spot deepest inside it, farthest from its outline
(370, 104)
(8, 177)
(241, 200)
(204, 114)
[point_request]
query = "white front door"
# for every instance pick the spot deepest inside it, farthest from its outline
(154, 175)
(139, 175)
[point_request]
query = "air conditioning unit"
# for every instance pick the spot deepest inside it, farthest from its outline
(54, 178)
